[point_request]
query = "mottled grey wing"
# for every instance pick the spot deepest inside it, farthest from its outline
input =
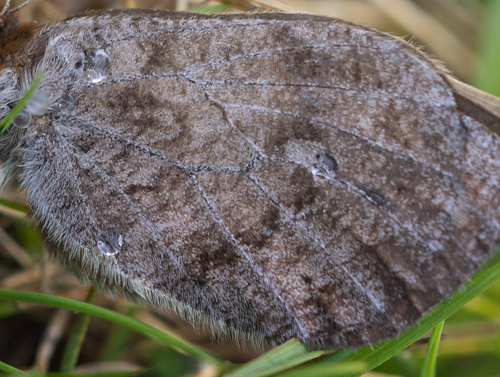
(283, 175)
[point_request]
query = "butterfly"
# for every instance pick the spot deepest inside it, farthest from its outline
(273, 175)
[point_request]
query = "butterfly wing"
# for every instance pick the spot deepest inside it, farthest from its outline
(282, 175)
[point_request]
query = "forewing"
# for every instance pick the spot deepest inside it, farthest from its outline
(284, 175)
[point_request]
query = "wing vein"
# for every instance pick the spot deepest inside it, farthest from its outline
(258, 271)
(358, 285)
(185, 75)
(154, 152)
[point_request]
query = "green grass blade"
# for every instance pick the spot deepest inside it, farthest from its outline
(213, 8)
(7, 121)
(339, 369)
(429, 367)
(118, 373)
(8, 368)
(338, 356)
(286, 356)
(13, 205)
(376, 355)
(74, 345)
(489, 73)
(120, 319)
(117, 340)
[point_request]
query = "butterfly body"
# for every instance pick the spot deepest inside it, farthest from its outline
(276, 176)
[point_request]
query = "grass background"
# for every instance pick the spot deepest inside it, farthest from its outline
(43, 334)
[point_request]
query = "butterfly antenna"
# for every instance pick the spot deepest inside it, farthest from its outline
(5, 8)
(27, 2)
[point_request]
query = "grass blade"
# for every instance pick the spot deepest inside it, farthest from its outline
(429, 368)
(13, 205)
(339, 369)
(488, 73)
(131, 323)
(286, 356)
(72, 351)
(216, 8)
(8, 368)
(7, 121)
(120, 373)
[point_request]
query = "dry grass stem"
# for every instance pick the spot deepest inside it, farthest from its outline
(448, 47)
(14, 250)
(50, 339)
